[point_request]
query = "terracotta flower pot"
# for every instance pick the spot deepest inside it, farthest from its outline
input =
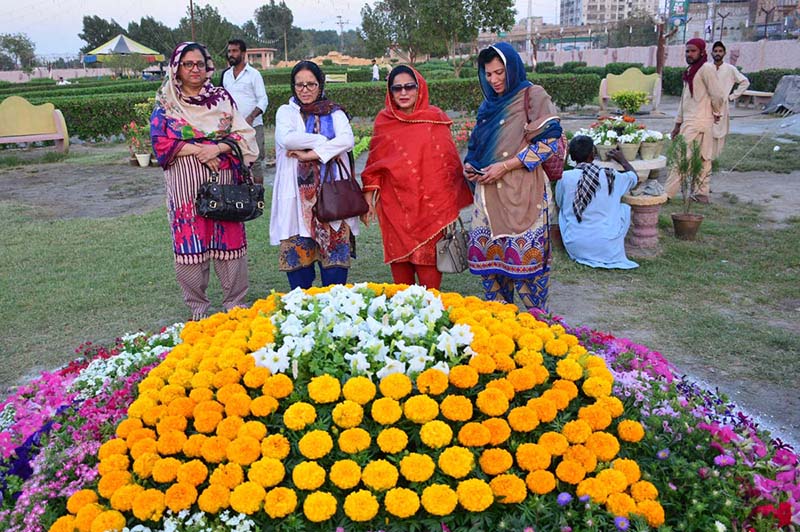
(649, 150)
(686, 225)
(602, 151)
(629, 150)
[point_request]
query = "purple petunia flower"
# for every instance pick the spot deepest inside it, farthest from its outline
(723, 460)
(564, 498)
(663, 454)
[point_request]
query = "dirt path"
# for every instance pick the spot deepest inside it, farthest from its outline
(114, 188)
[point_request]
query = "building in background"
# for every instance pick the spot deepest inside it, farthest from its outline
(592, 12)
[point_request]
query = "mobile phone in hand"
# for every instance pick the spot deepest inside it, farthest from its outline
(477, 171)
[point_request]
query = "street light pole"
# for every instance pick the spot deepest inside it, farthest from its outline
(722, 25)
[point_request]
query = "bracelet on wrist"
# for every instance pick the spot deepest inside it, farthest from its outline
(506, 167)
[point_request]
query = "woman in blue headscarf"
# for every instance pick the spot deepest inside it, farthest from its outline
(516, 140)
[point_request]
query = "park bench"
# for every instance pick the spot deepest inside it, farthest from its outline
(631, 80)
(335, 78)
(754, 98)
(21, 121)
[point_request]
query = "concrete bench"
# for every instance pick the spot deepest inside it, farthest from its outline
(631, 80)
(20, 121)
(335, 78)
(754, 98)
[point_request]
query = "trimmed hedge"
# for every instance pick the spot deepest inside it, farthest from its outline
(122, 88)
(570, 66)
(767, 80)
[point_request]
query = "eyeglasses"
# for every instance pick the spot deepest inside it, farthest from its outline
(408, 87)
(191, 65)
(306, 86)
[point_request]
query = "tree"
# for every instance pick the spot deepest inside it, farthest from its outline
(397, 23)
(211, 29)
(98, 30)
(153, 34)
(19, 48)
(636, 30)
(274, 22)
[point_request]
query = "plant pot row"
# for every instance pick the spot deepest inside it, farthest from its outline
(644, 150)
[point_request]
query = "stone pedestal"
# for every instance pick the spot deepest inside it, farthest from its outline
(642, 167)
(642, 237)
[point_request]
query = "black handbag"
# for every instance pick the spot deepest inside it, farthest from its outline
(339, 199)
(231, 203)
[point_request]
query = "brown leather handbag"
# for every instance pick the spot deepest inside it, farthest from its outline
(339, 199)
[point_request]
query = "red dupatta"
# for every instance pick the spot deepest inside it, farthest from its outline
(415, 167)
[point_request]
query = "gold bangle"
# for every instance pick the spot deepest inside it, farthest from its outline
(506, 167)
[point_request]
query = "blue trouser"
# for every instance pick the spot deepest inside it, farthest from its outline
(304, 277)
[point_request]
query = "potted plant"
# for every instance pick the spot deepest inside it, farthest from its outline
(629, 144)
(650, 147)
(688, 164)
(630, 101)
(138, 138)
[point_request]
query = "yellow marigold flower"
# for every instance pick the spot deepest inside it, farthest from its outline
(299, 415)
(577, 350)
(225, 376)
(227, 475)
(542, 374)
(456, 408)
(498, 429)
(280, 502)
(183, 408)
(244, 450)
(615, 481)
(522, 379)
(85, 516)
(149, 505)
(214, 499)
(595, 489)
(463, 376)
(229, 427)
(558, 329)
(202, 379)
(456, 462)
(612, 404)
(596, 387)
(144, 463)
(65, 523)
(386, 411)
(193, 448)
(523, 419)
(420, 408)
(602, 373)
(584, 456)
(171, 442)
(569, 369)
(119, 446)
(401, 502)
(620, 504)
(392, 440)
(122, 499)
(483, 363)
(492, 402)
(652, 511)
(630, 431)
(556, 347)
(474, 435)
(643, 491)
(502, 345)
(566, 386)
(355, 440)
(559, 397)
(324, 389)
(570, 471)
(531, 456)
(79, 499)
(229, 391)
(123, 429)
(360, 506)
(629, 468)
(266, 472)
(180, 496)
(192, 473)
(417, 467)
(115, 462)
(170, 392)
(165, 470)
(545, 409)
(253, 429)
(263, 406)
(436, 434)
(348, 414)
(495, 461)
(112, 481)
(207, 422)
(481, 344)
(108, 521)
(345, 474)
(433, 382)
(278, 386)
(275, 446)
(308, 476)
(530, 341)
(474, 495)
(319, 506)
(379, 475)
(247, 498)
(504, 385)
(257, 376)
(540, 481)
(439, 499)
(238, 405)
(508, 489)
(604, 445)
(151, 416)
(504, 363)
(595, 415)
(554, 442)
(396, 386)
(315, 444)
(576, 431)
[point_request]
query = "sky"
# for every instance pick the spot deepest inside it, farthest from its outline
(53, 25)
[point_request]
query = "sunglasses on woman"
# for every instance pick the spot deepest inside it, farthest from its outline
(408, 87)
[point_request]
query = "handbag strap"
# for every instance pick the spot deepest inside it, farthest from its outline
(455, 224)
(237, 152)
(348, 173)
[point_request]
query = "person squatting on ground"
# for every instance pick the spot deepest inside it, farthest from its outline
(413, 180)
(728, 77)
(310, 132)
(591, 215)
(246, 86)
(190, 118)
(517, 131)
(699, 109)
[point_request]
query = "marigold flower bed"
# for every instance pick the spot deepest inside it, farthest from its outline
(395, 408)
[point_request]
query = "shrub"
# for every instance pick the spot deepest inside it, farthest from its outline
(619, 68)
(545, 64)
(630, 101)
(570, 66)
(468, 72)
(548, 70)
(598, 71)
(672, 81)
(767, 80)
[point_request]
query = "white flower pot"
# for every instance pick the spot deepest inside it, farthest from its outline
(649, 150)
(143, 158)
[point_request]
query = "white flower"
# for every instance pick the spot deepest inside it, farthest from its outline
(359, 362)
(292, 325)
(391, 366)
(414, 329)
(344, 329)
(462, 334)
(276, 361)
(442, 366)
(377, 304)
(720, 527)
(446, 343)
(407, 352)
(419, 362)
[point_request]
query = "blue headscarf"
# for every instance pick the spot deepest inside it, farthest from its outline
(483, 140)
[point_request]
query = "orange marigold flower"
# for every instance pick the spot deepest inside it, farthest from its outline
(456, 462)
(417, 467)
(65, 523)
(630, 431)
(522, 379)
(620, 504)
(348, 414)
(612, 404)
(504, 385)
(266, 472)
(386, 411)
(595, 415)
(263, 406)
(122, 500)
(238, 405)
(165, 470)
(483, 363)
(474, 495)
(207, 421)
(474, 435)
(215, 449)
(392, 440)
(546, 410)
(556, 347)
(570, 471)
(652, 511)
(244, 450)
(432, 381)
(192, 473)
(379, 475)
(180, 496)
(227, 475)
(604, 445)
(360, 506)
(79, 499)
(576, 431)
(508, 489)
(463, 376)
(530, 341)
(115, 462)
(495, 461)
(253, 429)
(592, 487)
(401, 502)
(143, 465)
(498, 429)
(504, 363)
(230, 390)
(171, 442)
(345, 474)
(420, 409)
(581, 454)
(278, 386)
(615, 481)
(108, 521)
(324, 389)
(319, 506)
(124, 428)
(559, 397)
(85, 516)
(149, 505)
(629, 468)
(566, 386)
(596, 387)
(523, 419)
(315, 444)
(275, 446)
(540, 481)
(436, 434)
(492, 402)
(247, 498)
(456, 408)
(643, 491)
(396, 386)
(229, 427)
(308, 476)
(360, 390)
(554, 442)
(256, 377)
(569, 369)
(355, 440)
(280, 502)
(531, 456)
(439, 499)
(214, 498)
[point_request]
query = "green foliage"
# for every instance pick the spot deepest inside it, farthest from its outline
(630, 101)
(19, 48)
(687, 162)
(44, 92)
(97, 30)
(767, 80)
(570, 66)
(598, 71)
(619, 68)
(672, 81)
(636, 30)
(545, 64)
